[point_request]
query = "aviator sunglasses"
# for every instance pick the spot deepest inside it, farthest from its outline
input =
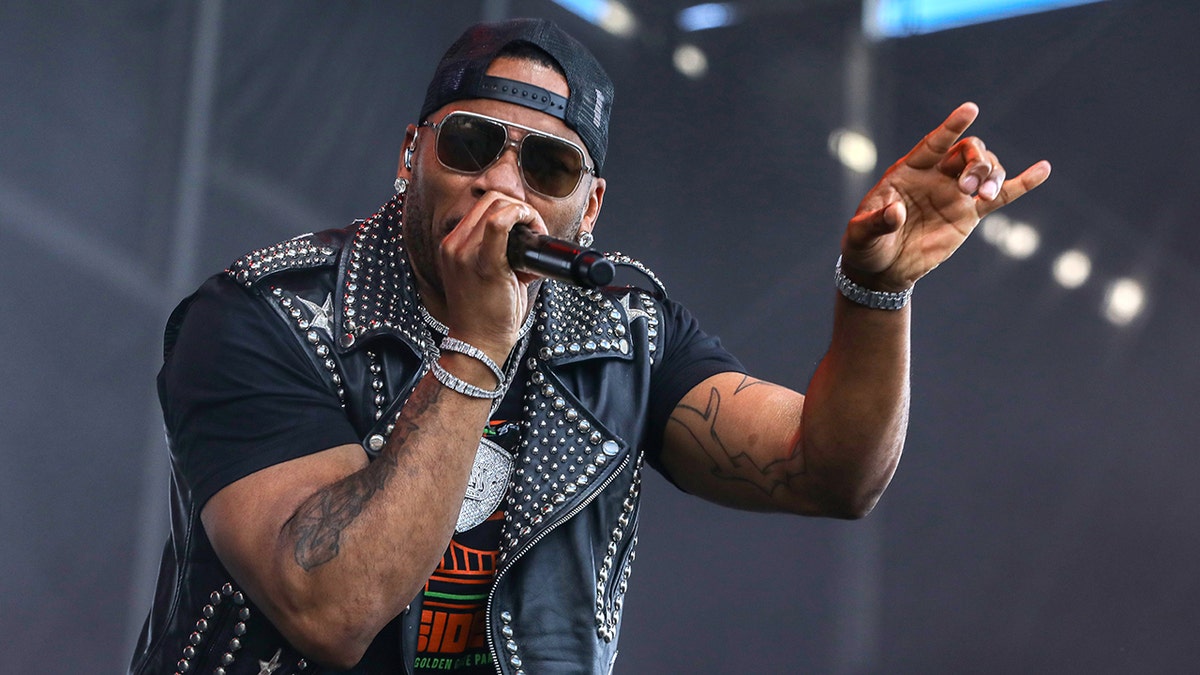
(470, 143)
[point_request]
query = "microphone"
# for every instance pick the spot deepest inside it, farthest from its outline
(557, 258)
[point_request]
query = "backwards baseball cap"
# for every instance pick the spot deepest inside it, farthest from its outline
(461, 75)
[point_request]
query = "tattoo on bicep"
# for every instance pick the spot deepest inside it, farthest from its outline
(728, 464)
(317, 525)
(748, 382)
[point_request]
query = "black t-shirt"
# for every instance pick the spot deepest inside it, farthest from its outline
(239, 394)
(452, 636)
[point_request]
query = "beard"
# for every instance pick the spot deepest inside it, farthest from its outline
(421, 244)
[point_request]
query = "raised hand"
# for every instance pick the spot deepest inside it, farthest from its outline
(927, 204)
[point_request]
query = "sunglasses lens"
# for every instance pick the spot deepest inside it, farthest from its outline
(468, 143)
(551, 166)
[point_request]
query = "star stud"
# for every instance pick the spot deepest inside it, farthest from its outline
(322, 315)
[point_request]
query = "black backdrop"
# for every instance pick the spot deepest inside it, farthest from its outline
(1041, 519)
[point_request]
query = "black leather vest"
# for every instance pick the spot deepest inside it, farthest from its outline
(571, 509)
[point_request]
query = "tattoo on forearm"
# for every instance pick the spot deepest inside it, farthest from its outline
(727, 465)
(317, 525)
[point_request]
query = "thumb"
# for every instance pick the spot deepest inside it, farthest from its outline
(867, 226)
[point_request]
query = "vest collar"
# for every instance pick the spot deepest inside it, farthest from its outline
(376, 296)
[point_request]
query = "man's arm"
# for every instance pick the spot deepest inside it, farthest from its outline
(332, 547)
(750, 444)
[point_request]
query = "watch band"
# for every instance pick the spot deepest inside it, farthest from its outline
(866, 297)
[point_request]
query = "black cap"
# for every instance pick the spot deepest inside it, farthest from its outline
(460, 75)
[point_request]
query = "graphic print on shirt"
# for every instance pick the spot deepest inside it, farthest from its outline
(452, 637)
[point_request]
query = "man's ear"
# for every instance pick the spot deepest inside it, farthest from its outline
(594, 201)
(404, 170)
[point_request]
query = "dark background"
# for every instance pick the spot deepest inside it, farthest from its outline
(1043, 518)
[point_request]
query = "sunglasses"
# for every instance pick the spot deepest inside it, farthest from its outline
(470, 143)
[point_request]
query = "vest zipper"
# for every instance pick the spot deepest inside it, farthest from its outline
(525, 549)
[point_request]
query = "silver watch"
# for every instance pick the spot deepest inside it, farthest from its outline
(866, 297)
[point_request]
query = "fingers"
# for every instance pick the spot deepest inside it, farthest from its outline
(480, 240)
(994, 180)
(977, 168)
(485, 301)
(1011, 190)
(937, 143)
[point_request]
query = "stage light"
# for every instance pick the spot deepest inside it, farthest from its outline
(1021, 241)
(1014, 238)
(1072, 268)
(610, 15)
(691, 61)
(994, 228)
(900, 18)
(1124, 301)
(708, 15)
(854, 150)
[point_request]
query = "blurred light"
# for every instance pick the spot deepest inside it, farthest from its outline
(610, 15)
(853, 149)
(898, 18)
(691, 61)
(1072, 268)
(1021, 241)
(1124, 301)
(1014, 238)
(995, 228)
(706, 16)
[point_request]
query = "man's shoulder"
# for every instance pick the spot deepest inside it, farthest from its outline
(312, 251)
(306, 251)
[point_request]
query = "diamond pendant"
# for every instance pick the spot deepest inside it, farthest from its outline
(490, 474)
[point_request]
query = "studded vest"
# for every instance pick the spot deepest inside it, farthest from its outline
(570, 511)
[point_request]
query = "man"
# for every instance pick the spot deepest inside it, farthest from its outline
(336, 508)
